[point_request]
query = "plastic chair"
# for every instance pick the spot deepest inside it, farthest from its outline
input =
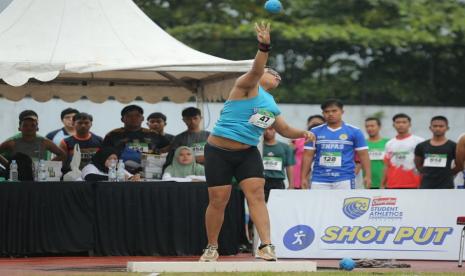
(461, 221)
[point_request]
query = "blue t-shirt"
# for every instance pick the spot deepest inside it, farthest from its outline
(234, 122)
(335, 150)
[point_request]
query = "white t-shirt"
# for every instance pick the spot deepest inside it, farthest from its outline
(401, 152)
(400, 156)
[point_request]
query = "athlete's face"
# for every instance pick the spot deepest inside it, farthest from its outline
(333, 114)
(270, 80)
(269, 134)
(439, 128)
(82, 126)
(402, 125)
(185, 157)
(372, 128)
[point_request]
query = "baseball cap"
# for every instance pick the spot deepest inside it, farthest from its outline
(130, 108)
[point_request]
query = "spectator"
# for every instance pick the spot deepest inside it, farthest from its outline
(30, 144)
(334, 152)
(97, 169)
(376, 150)
(68, 128)
(460, 159)
(88, 142)
(278, 159)
(298, 145)
(433, 157)
(400, 171)
(183, 165)
(23, 114)
(194, 137)
(314, 121)
(132, 139)
(157, 122)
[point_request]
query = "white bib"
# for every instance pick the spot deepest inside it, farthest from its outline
(198, 148)
(331, 159)
(272, 163)
(376, 154)
(262, 119)
(435, 160)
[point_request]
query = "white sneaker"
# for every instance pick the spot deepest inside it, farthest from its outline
(210, 254)
(267, 253)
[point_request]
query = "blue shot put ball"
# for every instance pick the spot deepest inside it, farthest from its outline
(273, 6)
(347, 264)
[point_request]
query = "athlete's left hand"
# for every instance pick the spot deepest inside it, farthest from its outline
(367, 182)
(308, 136)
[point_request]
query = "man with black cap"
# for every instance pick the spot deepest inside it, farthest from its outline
(29, 142)
(132, 139)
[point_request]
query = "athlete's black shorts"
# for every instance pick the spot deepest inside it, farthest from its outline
(221, 165)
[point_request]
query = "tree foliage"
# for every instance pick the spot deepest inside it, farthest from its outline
(408, 52)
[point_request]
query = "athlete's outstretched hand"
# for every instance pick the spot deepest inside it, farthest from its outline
(308, 136)
(263, 32)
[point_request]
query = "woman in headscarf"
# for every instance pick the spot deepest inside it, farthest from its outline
(183, 165)
(98, 168)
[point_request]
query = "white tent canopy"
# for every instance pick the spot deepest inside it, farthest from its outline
(101, 49)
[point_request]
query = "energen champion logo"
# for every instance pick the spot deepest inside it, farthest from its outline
(355, 207)
(385, 208)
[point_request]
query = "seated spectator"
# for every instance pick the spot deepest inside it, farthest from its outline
(184, 166)
(157, 122)
(30, 144)
(194, 137)
(98, 168)
(68, 127)
(132, 140)
(88, 142)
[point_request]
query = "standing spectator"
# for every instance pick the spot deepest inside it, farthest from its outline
(68, 128)
(376, 150)
(433, 157)
(298, 145)
(460, 158)
(30, 144)
(334, 152)
(132, 139)
(194, 137)
(278, 159)
(400, 171)
(157, 122)
(89, 143)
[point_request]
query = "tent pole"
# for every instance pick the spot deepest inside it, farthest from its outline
(200, 100)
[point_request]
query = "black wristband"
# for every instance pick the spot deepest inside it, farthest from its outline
(262, 47)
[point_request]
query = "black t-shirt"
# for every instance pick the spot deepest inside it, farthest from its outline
(142, 140)
(436, 172)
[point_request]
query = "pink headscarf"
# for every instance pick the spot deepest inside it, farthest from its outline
(299, 152)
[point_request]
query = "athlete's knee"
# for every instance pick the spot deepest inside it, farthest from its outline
(218, 200)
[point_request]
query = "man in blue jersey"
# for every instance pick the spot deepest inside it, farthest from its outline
(333, 152)
(231, 149)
